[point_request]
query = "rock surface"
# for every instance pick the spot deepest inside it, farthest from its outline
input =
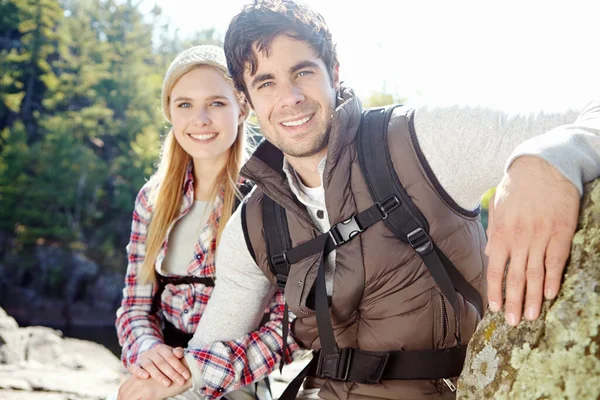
(558, 355)
(37, 363)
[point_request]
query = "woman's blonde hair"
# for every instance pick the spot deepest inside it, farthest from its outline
(166, 184)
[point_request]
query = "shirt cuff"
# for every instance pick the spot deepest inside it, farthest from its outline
(570, 154)
(143, 345)
(197, 380)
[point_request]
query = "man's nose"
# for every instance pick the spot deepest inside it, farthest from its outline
(291, 95)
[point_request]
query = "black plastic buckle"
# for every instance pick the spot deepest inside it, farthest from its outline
(420, 241)
(344, 231)
(336, 367)
(388, 205)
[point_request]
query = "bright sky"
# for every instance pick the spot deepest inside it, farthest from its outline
(519, 56)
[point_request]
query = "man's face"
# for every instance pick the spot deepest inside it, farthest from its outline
(293, 96)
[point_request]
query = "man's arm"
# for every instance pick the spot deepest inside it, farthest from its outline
(467, 149)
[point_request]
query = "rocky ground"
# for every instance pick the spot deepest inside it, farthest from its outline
(37, 363)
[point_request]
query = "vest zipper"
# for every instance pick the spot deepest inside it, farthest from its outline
(444, 318)
(450, 385)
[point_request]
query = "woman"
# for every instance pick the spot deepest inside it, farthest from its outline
(178, 219)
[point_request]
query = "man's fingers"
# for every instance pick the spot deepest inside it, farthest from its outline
(137, 371)
(495, 274)
(155, 372)
(127, 391)
(557, 254)
(535, 280)
(515, 286)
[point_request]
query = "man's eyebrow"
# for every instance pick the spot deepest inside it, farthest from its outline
(265, 77)
(261, 78)
(302, 65)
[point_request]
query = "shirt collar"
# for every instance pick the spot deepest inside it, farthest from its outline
(296, 185)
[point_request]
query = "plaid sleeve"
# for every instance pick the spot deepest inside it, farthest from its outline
(227, 366)
(137, 329)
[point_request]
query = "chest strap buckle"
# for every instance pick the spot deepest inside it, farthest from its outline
(344, 231)
(336, 366)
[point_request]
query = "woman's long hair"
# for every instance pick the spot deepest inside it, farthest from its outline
(166, 193)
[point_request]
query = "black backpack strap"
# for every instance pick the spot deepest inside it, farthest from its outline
(277, 235)
(407, 222)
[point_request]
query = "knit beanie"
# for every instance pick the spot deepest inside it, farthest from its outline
(185, 62)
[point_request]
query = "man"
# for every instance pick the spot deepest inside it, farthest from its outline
(384, 300)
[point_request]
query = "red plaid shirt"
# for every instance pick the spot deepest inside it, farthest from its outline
(226, 366)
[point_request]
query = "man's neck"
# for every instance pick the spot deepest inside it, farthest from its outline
(307, 168)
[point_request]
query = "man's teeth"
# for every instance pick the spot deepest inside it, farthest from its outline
(204, 136)
(296, 123)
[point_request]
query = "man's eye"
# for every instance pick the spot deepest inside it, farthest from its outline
(184, 105)
(304, 73)
(266, 84)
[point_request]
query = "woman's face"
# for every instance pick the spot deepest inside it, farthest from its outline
(205, 113)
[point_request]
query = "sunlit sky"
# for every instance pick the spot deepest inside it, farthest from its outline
(519, 56)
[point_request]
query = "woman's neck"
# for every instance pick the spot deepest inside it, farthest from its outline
(206, 172)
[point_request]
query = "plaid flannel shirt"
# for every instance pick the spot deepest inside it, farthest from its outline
(225, 366)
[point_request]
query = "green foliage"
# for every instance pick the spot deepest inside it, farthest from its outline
(382, 98)
(80, 119)
(487, 197)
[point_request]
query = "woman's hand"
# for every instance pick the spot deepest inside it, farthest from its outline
(164, 364)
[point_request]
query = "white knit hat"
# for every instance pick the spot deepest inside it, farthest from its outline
(186, 61)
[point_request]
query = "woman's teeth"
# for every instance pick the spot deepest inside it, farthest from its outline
(297, 123)
(203, 136)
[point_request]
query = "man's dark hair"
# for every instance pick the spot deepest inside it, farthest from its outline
(259, 23)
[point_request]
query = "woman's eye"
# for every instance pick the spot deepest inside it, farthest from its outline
(184, 105)
(217, 104)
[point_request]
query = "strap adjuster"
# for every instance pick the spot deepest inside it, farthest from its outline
(335, 367)
(420, 241)
(344, 231)
(279, 260)
(280, 263)
(388, 205)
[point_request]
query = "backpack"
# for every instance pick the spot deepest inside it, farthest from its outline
(395, 208)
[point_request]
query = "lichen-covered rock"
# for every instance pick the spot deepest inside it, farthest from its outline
(558, 355)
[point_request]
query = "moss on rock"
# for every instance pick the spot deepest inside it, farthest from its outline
(558, 355)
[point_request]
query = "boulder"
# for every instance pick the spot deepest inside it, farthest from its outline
(38, 363)
(558, 355)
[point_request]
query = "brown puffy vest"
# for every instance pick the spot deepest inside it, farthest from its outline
(384, 297)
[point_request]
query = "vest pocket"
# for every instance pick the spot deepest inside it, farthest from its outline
(441, 325)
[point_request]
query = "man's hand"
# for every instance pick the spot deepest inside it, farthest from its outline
(163, 363)
(532, 220)
(135, 388)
